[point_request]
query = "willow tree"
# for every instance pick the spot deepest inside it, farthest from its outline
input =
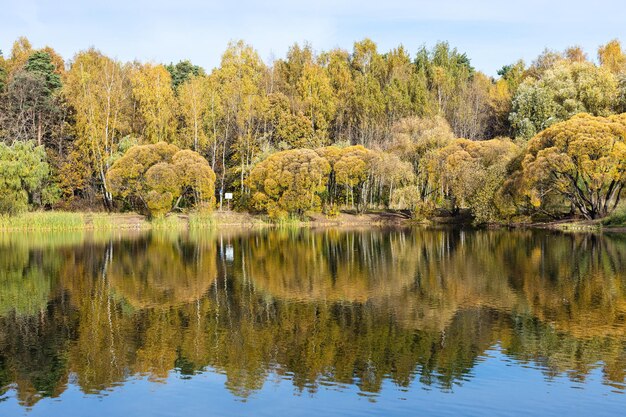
(353, 172)
(413, 138)
(23, 171)
(289, 182)
(469, 174)
(389, 174)
(583, 160)
(157, 177)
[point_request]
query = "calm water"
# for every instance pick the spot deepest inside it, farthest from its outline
(395, 322)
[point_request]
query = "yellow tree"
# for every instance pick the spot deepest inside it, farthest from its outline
(160, 175)
(413, 138)
(289, 182)
(612, 57)
(390, 172)
(352, 171)
(97, 90)
(583, 160)
(469, 175)
(240, 78)
(152, 89)
(193, 96)
(289, 130)
(317, 98)
(337, 65)
(20, 52)
(368, 101)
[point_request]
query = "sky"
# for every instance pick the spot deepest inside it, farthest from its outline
(492, 32)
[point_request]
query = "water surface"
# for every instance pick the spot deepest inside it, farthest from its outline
(366, 322)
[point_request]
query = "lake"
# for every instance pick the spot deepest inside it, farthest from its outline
(389, 322)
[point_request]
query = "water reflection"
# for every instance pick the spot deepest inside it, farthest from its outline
(316, 307)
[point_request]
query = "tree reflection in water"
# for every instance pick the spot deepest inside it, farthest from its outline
(331, 307)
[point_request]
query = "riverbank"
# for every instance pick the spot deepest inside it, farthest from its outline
(67, 221)
(60, 220)
(577, 225)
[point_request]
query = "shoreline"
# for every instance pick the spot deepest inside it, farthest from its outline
(100, 221)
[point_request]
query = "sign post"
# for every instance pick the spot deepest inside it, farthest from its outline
(228, 197)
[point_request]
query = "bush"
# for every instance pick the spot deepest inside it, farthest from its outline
(289, 182)
(161, 177)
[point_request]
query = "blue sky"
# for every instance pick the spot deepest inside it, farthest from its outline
(492, 33)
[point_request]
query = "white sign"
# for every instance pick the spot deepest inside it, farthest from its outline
(228, 196)
(229, 253)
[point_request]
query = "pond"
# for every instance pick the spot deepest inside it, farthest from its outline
(313, 322)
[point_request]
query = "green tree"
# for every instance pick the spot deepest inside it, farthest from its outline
(23, 173)
(33, 109)
(183, 71)
(40, 62)
(565, 89)
(448, 74)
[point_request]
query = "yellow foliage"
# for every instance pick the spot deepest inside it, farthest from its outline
(152, 89)
(612, 57)
(470, 174)
(583, 160)
(159, 174)
(289, 182)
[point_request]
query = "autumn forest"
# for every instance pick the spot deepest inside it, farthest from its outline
(416, 129)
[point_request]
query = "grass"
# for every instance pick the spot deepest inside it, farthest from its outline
(69, 221)
(171, 222)
(102, 221)
(617, 218)
(52, 220)
(201, 220)
(63, 221)
(291, 221)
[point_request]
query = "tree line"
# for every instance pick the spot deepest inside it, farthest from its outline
(328, 130)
